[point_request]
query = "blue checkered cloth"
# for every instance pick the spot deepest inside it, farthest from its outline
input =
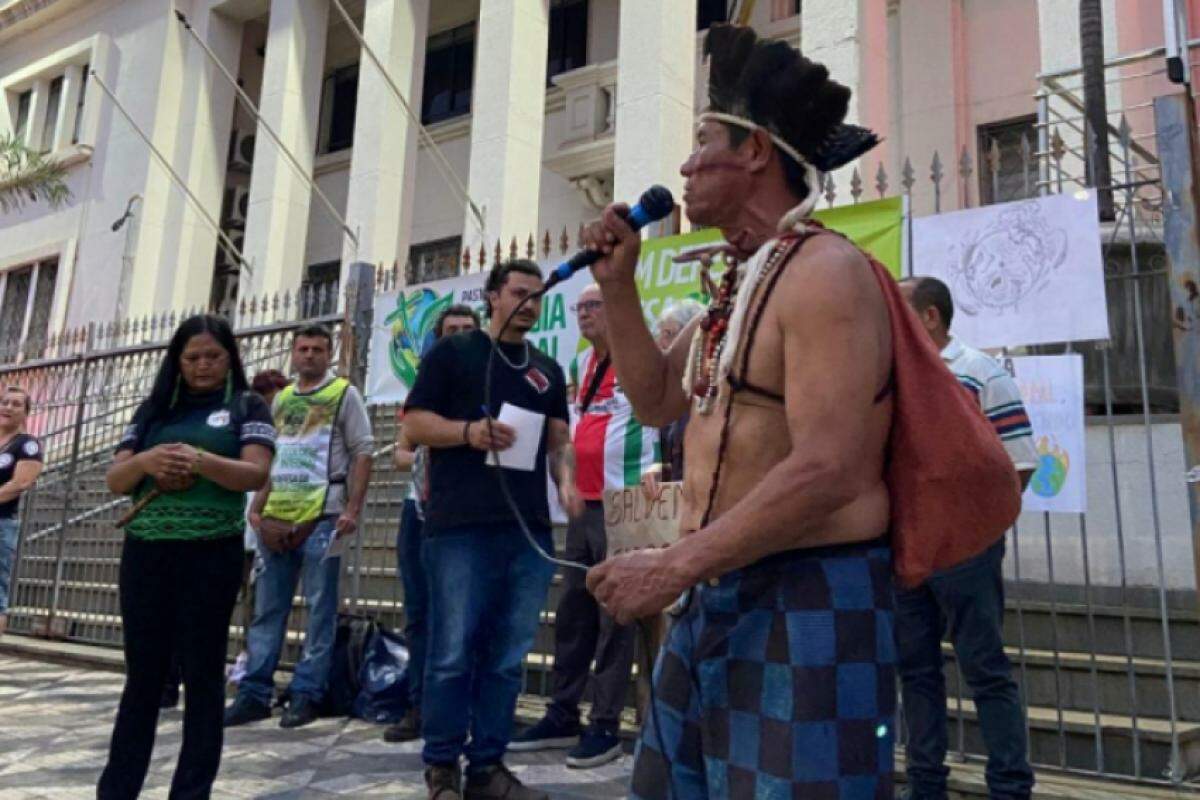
(778, 682)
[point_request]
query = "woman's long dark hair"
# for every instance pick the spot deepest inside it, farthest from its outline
(169, 379)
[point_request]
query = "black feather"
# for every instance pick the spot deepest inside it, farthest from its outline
(729, 46)
(846, 143)
(775, 86)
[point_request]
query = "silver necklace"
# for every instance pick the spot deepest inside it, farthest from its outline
(522, 365)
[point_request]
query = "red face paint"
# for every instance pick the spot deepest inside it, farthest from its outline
(710, 157)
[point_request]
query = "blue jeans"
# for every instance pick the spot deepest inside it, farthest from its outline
(274, 590)
(416, 596)
(9, 529)
(966, 603)
(487, 588)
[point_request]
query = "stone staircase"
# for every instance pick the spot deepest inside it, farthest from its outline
(1094, 705)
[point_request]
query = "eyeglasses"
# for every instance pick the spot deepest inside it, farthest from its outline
(587, 305)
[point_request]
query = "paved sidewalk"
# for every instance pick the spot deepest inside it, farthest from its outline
(55, 723)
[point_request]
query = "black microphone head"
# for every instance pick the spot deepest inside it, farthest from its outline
(657, 202)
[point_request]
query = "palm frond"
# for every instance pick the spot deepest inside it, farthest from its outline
(27, 176)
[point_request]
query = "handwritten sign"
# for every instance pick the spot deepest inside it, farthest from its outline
(635, 523)
(1052, 389)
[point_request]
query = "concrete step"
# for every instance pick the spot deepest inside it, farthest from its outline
(90, 584)
(1040, 625)
(1067, 681)
(1070, 742)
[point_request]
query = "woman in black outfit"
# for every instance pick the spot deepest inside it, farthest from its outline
(195, 446)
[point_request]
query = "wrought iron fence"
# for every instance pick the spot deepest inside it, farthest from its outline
(83, 396)
(1100, 622)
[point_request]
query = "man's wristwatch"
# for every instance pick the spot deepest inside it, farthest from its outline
(467, 432)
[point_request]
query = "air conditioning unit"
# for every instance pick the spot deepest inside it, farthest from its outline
(234, 207)
(241, 151)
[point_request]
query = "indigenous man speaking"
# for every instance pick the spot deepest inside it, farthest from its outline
(778, 679)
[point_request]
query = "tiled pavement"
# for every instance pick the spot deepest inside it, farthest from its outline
(55, 723)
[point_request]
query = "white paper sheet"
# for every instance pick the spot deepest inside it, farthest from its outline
(528, 426)
(1027, 272)
(1052, 389)
(337, 546)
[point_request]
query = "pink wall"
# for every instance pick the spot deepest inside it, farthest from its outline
(962, 63)
(926, 103)
(873, 90)
(1140, 27)
(1003, 59)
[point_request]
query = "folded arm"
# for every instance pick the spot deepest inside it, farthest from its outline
(25, 474)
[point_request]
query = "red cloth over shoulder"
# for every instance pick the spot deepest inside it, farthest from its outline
(952, 486)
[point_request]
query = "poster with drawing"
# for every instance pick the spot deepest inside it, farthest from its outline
(1052, 389)
(1027, 272)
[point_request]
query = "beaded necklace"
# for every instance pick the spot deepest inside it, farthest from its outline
(714, 325)
(705, 369)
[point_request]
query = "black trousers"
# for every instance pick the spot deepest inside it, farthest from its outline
(176, 599)
(583, 631)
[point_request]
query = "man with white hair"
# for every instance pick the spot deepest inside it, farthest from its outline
(670, 437)
(612, 449)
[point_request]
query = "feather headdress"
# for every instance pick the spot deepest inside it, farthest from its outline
(791, 97)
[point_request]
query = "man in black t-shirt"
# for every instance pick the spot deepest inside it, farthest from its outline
(487, 584)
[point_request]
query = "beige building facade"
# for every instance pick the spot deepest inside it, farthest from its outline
(538, 111)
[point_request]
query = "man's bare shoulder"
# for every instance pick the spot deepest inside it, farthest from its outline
(828, 277)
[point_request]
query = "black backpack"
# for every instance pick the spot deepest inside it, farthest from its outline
(354, 633)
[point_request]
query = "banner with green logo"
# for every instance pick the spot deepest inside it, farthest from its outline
(876, 227)
(404, 319)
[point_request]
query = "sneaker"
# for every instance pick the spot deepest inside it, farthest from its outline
(406, 730)
(596, 747)
(244, 710)
(300, 711)
(237, 671)
(545, 735)
(497, 783)
(444, 782)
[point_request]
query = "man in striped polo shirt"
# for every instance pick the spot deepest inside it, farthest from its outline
(966, 602)
(612, 449)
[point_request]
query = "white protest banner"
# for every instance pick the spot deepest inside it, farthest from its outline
(404, 322)
(1052, 390)
(634, 523)
(1027, 272)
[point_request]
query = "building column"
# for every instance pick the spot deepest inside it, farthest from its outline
(508, 113)
(656, 79)
(385, 138)
(277, 217)
(831, 34)
(206, 129)
(851, 40)
(156, 254)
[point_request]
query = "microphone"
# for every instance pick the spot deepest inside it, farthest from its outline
(654, 204)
